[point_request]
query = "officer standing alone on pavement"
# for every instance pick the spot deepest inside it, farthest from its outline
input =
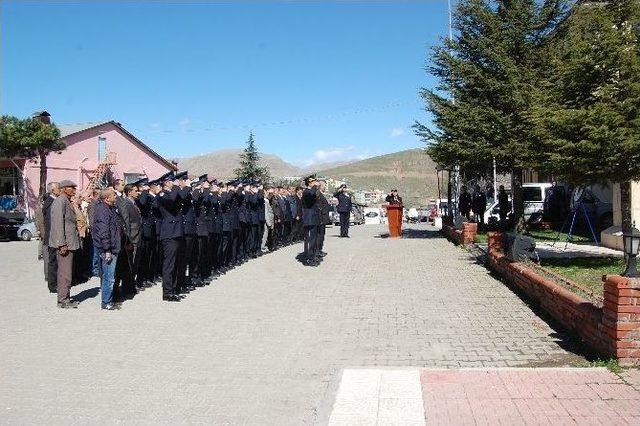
(310, 220)
(344, 209)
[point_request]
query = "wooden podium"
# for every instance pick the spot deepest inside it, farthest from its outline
(394, 217)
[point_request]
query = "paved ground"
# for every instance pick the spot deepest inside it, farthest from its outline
(504, 396)
(267, 343)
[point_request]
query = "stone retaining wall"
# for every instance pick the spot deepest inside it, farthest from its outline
(613, 330)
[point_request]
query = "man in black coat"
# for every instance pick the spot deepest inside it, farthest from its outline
(148, 242)
(132, 221)
(344, 209)
(171, 236)
(49, 253)
(310, 220)
(464, 203)
(479, 205)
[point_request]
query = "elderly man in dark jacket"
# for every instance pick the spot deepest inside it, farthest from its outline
(107, 241)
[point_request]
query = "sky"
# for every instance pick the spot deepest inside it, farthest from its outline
(315, 81)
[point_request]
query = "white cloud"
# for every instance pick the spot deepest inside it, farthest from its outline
(155, 125)
(397, 131)
(184, 122)
(332, 155)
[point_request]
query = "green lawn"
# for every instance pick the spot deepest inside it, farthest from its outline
(550, 235)
(586, 272)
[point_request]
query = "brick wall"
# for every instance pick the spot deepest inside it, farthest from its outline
(463, 236)
(613, 330)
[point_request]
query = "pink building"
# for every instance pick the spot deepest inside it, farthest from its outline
(88, 145)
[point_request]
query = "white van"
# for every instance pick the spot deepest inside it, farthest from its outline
(533, 196)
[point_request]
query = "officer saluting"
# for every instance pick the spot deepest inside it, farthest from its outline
(202, 205)
(310, 220)
(171, 235)
(344, 209)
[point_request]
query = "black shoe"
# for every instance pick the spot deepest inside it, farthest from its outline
(322, 254)
(171, 298)
(110, 307)
(68, 305)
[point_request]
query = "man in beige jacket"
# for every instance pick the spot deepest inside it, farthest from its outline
(64, 237)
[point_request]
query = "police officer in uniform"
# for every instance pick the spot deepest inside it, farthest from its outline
(186, 258)
(201, 197)
(171, 235)
(226, 203)
(216, 226)
(310, 220)
(344, 209)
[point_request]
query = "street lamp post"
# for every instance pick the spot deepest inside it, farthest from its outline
(631, 240)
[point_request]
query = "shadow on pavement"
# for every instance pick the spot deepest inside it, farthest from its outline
(89, 293)
(415, 233)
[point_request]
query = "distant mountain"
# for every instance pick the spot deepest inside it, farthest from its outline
(221, 164)
(411, 172)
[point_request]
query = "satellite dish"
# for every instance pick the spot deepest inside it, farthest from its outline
(576, 197)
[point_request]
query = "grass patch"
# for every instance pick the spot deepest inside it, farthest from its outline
(586, 271)
(610, 364)
(480, 239)
(549, 235)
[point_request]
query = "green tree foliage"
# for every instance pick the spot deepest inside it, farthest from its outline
(250, 167)
(486, 75)
(588, 108)
(29, 138)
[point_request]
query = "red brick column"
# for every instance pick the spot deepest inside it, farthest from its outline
(469, 232)
(621, 318)
(495, 243)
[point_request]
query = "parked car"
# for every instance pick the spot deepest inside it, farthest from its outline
(412, 215)
(372, 215)
(334, 216)
(8, 228)
(27, 231)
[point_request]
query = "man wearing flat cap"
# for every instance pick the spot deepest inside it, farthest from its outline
(64, 237)
(344, 209)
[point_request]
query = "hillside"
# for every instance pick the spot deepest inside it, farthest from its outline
(221, 164)
(412, 172)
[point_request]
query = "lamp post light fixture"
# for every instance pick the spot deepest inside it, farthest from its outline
(631, 240)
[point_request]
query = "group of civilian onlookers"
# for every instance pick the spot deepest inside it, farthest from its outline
(84, 235)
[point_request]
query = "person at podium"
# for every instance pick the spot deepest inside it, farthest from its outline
(394, 198)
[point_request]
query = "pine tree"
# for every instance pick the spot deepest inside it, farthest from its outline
(486, 75)
(250, 167)
(588, 110)
(29, 138)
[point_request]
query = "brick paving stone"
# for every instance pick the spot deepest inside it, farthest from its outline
(266, 343)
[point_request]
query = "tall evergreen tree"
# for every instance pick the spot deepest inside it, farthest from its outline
(29, 138)
(588, 109)
(250, 167)
(486, 75)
